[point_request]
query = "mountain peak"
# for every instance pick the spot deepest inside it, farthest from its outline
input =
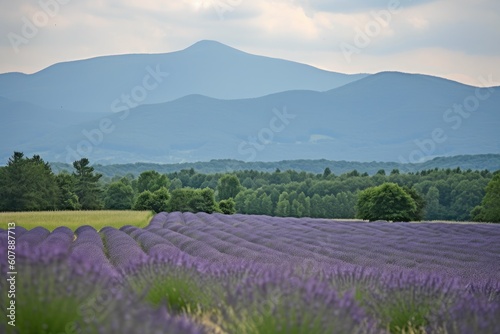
(209, 45)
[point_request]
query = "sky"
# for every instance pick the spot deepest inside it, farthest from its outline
(454, 39)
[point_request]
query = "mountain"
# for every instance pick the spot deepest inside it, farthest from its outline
(388, 116)
(221, 103)
(208, 68)
(23, 123)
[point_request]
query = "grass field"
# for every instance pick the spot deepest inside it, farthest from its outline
(73, 219)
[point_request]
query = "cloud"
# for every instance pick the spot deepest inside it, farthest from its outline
(418, 36)
(350, 7)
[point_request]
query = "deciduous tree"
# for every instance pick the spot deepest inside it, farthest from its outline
(386, 202)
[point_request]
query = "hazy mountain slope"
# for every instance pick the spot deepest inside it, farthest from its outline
(384, 117)
(23, 123)
(208, 68)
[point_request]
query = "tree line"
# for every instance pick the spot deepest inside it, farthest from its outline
(435, 194)
(474, 162)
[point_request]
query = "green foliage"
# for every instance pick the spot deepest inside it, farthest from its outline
(119, 196)
(489, 210)
(181, 289)
(87, 185)
(175, 184)
(419, 202)
(283, 208)
(27, 184)
(68, 200)
(152, 181)
(144, 201)
(266, 205)
(192, 200)
(386, 202)
(227, 206)
(315, 167)
(451, 194)
(155, 201)
(433, 208)
(228, 186)
(161, 197)
(327, 172)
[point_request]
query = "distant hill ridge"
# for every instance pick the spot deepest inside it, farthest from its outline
(490, 162)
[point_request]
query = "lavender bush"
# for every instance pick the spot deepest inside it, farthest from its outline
(195, 273)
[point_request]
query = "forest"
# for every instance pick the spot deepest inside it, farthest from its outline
(474, 162)
(29, 184)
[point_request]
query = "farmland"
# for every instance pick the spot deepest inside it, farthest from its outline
(214, 273)
(53, 219)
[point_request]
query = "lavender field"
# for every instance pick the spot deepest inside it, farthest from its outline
(212, 273)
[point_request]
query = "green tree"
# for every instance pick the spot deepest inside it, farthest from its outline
(192, 200)
(152, 180)
(466, 196)
(228, 186)
(251, 204)
(241, 201)
(419, 202)
(433, 207)
(327, 172)
(227, 206)
(283, 208)
(330, 206)
(175, 184)
(27, 184)
(489, 210)
(119, 196)
(87, 185)
(68, 200)
(297, 209)
(248, 183)
(386, 202)
(161, 197)
(305, 205)
(317, 208)
(155, 201)
(180, 200)
(266, 205)
(346, 203)
(204, 201)
(145, 201)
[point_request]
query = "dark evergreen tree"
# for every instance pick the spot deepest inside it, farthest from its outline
(87, 186)
(327, 172)
(68, 200)
(27, 184)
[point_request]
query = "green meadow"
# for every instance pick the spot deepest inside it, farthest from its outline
(73, 219)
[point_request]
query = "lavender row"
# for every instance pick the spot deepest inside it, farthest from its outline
(426, 247)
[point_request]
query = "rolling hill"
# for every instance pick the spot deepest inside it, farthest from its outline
(388, 116)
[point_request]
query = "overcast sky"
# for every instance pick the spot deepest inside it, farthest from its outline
(456, 39)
